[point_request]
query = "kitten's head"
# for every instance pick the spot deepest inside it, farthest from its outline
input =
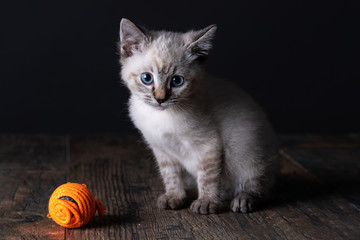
(163, 68)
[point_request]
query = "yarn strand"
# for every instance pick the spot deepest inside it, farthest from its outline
(72, 205)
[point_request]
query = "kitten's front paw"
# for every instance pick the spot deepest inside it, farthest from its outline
(170, 202)
(243, 203)
(205, 206)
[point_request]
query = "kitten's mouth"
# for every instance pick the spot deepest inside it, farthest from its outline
(162, 106)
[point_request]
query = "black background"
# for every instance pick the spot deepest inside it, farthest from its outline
(60, 71)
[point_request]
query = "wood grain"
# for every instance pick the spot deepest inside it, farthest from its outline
(335, 160)
(317, 193)
(125, 177)
(31, 167)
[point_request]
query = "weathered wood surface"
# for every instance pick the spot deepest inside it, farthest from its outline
(335, 160)
(31, 166)
(317, 198)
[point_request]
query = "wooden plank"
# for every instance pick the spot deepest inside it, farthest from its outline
(121, 173)
(316, 210)
(31, 167)
(124, 176)
(333, 159)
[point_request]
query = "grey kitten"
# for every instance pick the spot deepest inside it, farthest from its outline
(204, 132)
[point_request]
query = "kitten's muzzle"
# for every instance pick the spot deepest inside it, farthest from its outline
(160, 95)
(160, 100)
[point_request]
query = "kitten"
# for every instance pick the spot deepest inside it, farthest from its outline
(204, 132)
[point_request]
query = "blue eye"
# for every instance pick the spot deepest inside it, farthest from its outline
(177, 81)
(147, 78)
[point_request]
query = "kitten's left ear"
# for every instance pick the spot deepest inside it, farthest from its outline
(201, 42)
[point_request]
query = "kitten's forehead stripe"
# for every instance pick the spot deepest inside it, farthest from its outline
(165, 53)
(151, 69)
(174, 69)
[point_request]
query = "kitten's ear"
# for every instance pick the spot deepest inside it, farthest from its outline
(201, 42)
(132, 38)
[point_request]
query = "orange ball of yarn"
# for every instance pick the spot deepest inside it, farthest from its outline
(72, 205)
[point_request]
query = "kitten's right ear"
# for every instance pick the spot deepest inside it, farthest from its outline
(132, 38)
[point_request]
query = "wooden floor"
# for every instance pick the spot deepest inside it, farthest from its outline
(318, 191)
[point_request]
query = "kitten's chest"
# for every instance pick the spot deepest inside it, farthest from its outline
(154, 122)
(165, 130)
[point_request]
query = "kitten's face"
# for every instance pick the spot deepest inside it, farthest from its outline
(162, 69)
